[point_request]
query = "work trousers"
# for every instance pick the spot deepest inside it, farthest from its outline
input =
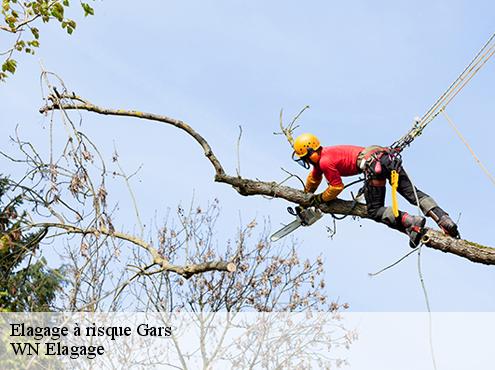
(375, 192)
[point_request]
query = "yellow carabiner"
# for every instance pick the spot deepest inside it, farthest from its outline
(394, 182)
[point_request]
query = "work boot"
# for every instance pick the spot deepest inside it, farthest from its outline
(414, 226)
(444, 222)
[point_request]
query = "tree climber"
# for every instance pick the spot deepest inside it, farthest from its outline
(377, 164)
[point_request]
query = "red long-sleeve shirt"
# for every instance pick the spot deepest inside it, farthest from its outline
(337, 161)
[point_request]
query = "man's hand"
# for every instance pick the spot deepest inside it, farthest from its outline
(328, 195)
(316, 200)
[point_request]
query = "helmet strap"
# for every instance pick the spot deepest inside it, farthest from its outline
(302, 161)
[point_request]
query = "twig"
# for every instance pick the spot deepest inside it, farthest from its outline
(289, 130)
(292, 175)
(238, 169)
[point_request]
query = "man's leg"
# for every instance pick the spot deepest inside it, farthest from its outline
(375, 200)
(427, 204)
(374, 193)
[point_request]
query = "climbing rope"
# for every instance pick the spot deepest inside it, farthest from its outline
(439, 106)
(467, 74)
(354, 199)
(397, 147)
(423, 286)
(421, 279)
(463, 139)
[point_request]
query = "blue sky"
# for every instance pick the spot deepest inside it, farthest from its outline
(365, 68)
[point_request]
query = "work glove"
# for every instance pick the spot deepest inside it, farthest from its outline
(316, 200)
(312, 183)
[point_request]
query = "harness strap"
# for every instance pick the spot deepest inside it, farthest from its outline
(375, 153)
(367, 154)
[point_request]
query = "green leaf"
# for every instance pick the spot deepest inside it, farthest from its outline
(88, 10)
(9, 66)
(35, 32)
(19, 45)
(5, 5)
(10, 20)
(34, 43)
(57, 11)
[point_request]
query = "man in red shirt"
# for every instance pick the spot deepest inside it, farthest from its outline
(376, 163)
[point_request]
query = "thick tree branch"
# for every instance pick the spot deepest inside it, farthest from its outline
(433, 239)
(164, 265)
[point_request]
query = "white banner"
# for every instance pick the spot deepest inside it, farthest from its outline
(360, 341)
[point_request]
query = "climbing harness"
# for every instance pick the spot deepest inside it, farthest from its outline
(377, 161)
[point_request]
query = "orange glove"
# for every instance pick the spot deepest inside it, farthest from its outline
(312, 183)
(331, 192)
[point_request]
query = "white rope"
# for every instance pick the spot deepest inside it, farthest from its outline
(482, 57)
(423, 285)
(441, 103)
(463, 139)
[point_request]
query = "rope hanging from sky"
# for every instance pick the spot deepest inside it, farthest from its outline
(465, 142)
(469, 72)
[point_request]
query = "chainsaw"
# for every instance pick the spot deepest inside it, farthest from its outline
(304, 217)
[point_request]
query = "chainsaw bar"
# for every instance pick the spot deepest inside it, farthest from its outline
(287, 229)
(304, 217)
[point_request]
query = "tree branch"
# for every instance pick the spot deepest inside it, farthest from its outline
(164, 265)
(247, 187)
(67, 101)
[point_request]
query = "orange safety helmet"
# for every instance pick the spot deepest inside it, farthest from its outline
(306, 147)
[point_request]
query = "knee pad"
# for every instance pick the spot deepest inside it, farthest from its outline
(427, 204)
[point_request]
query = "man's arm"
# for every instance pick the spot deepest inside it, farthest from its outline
(312, 182)
(331, 192)
(335, 186)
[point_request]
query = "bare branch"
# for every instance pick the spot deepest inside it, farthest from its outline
(186, 271)
(288, 131)
(67, 102)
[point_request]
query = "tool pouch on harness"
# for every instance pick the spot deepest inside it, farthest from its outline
(376, 161)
